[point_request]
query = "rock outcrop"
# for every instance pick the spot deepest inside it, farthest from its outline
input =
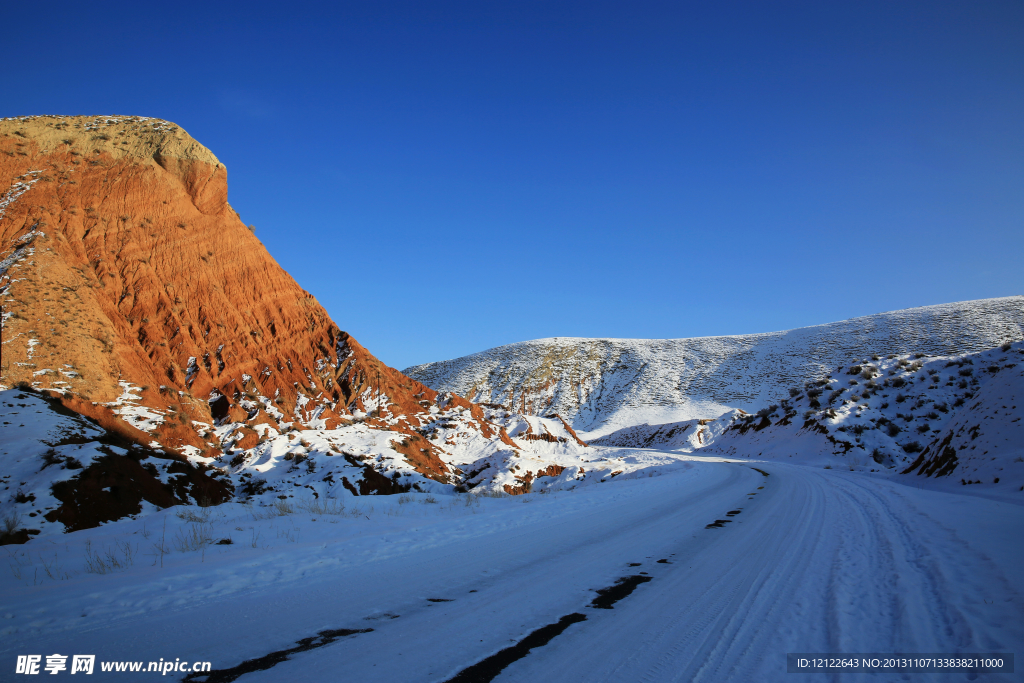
(123, 265)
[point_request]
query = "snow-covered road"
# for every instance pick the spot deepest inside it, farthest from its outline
(816, 561)
(821, 562)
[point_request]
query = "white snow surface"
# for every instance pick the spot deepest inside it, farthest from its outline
(815, 561)
(128, 408)
(602, 385)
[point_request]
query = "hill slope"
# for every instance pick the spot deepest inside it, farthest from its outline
(946, 422)
(603, 385)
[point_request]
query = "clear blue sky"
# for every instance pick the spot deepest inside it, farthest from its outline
(448, 177)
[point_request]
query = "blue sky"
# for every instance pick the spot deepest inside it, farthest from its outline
(448, 177)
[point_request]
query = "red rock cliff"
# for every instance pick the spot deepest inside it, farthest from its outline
(124, 262)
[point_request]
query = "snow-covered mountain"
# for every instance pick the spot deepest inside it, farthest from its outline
(600, 386)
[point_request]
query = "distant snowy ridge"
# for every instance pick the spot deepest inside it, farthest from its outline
(603, 385)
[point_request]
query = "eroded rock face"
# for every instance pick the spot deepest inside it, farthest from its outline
(124, 265)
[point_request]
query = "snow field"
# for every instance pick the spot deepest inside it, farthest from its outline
(815, 560)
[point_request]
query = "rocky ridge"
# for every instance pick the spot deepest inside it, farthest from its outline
(601, 386)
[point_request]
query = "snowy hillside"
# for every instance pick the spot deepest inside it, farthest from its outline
(603, 385)
(945, 422)
(65, 472)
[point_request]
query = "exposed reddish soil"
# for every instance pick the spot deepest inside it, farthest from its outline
(505, 439)
(527, 478)
(570, 430)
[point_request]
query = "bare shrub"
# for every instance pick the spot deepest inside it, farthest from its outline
(196, 536)
(118, 558)
(316, 506)
(51, 457)
(10, 523)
